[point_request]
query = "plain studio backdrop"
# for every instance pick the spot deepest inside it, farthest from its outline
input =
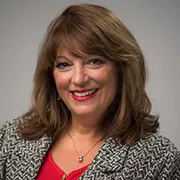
(154, 23)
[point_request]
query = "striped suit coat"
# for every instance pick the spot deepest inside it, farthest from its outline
(151, 158)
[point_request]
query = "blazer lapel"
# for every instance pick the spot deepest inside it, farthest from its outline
(109, 159)
(27, 157)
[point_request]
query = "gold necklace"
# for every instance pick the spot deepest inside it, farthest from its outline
(80, 156)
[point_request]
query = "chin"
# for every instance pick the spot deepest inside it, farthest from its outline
(85, 111)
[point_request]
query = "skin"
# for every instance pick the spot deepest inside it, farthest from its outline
(84, 74)
(87, 73)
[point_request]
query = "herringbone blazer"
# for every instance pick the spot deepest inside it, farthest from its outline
(151, 158)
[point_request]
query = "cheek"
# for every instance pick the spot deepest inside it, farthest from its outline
(60, 80)
(107, 77)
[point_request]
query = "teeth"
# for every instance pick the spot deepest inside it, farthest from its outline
(84, 93)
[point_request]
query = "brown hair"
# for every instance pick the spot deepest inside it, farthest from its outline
(91, 29)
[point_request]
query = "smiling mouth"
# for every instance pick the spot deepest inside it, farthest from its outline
(84, 94)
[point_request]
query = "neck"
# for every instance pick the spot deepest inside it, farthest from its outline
(85, 126)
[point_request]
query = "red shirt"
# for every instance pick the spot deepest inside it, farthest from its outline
(49, 170)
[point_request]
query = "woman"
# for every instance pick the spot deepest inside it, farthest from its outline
(90, 116)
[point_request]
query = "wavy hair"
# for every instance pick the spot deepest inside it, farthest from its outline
(91, 29)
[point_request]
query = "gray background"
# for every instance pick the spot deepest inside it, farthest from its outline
(155, 24)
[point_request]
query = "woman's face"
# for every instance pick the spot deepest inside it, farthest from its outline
(87, 85)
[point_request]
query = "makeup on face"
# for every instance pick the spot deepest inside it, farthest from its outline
(86, 85)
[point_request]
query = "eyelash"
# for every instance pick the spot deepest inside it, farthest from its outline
(97, 62)
(91, 62)
(64, 64)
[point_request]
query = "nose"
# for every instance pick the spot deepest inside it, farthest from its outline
(80, 77)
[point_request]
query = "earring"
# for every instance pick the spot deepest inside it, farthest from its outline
(58, 98)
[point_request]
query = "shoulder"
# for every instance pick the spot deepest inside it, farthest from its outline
(155, 143)
(155, 147)
(8, 141)
(11, 140)
(157, 155)
(9, 130)
(20, 156)
(152, 143)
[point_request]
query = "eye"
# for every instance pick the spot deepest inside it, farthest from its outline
(62, 65)
(95, 62)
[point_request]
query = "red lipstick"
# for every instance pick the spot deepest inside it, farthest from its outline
(83, 98)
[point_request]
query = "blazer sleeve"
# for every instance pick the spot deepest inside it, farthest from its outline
(171, 166)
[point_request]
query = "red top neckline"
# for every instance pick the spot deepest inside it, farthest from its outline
(50, 170)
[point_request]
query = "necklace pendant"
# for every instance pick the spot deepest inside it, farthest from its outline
(80, 159)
